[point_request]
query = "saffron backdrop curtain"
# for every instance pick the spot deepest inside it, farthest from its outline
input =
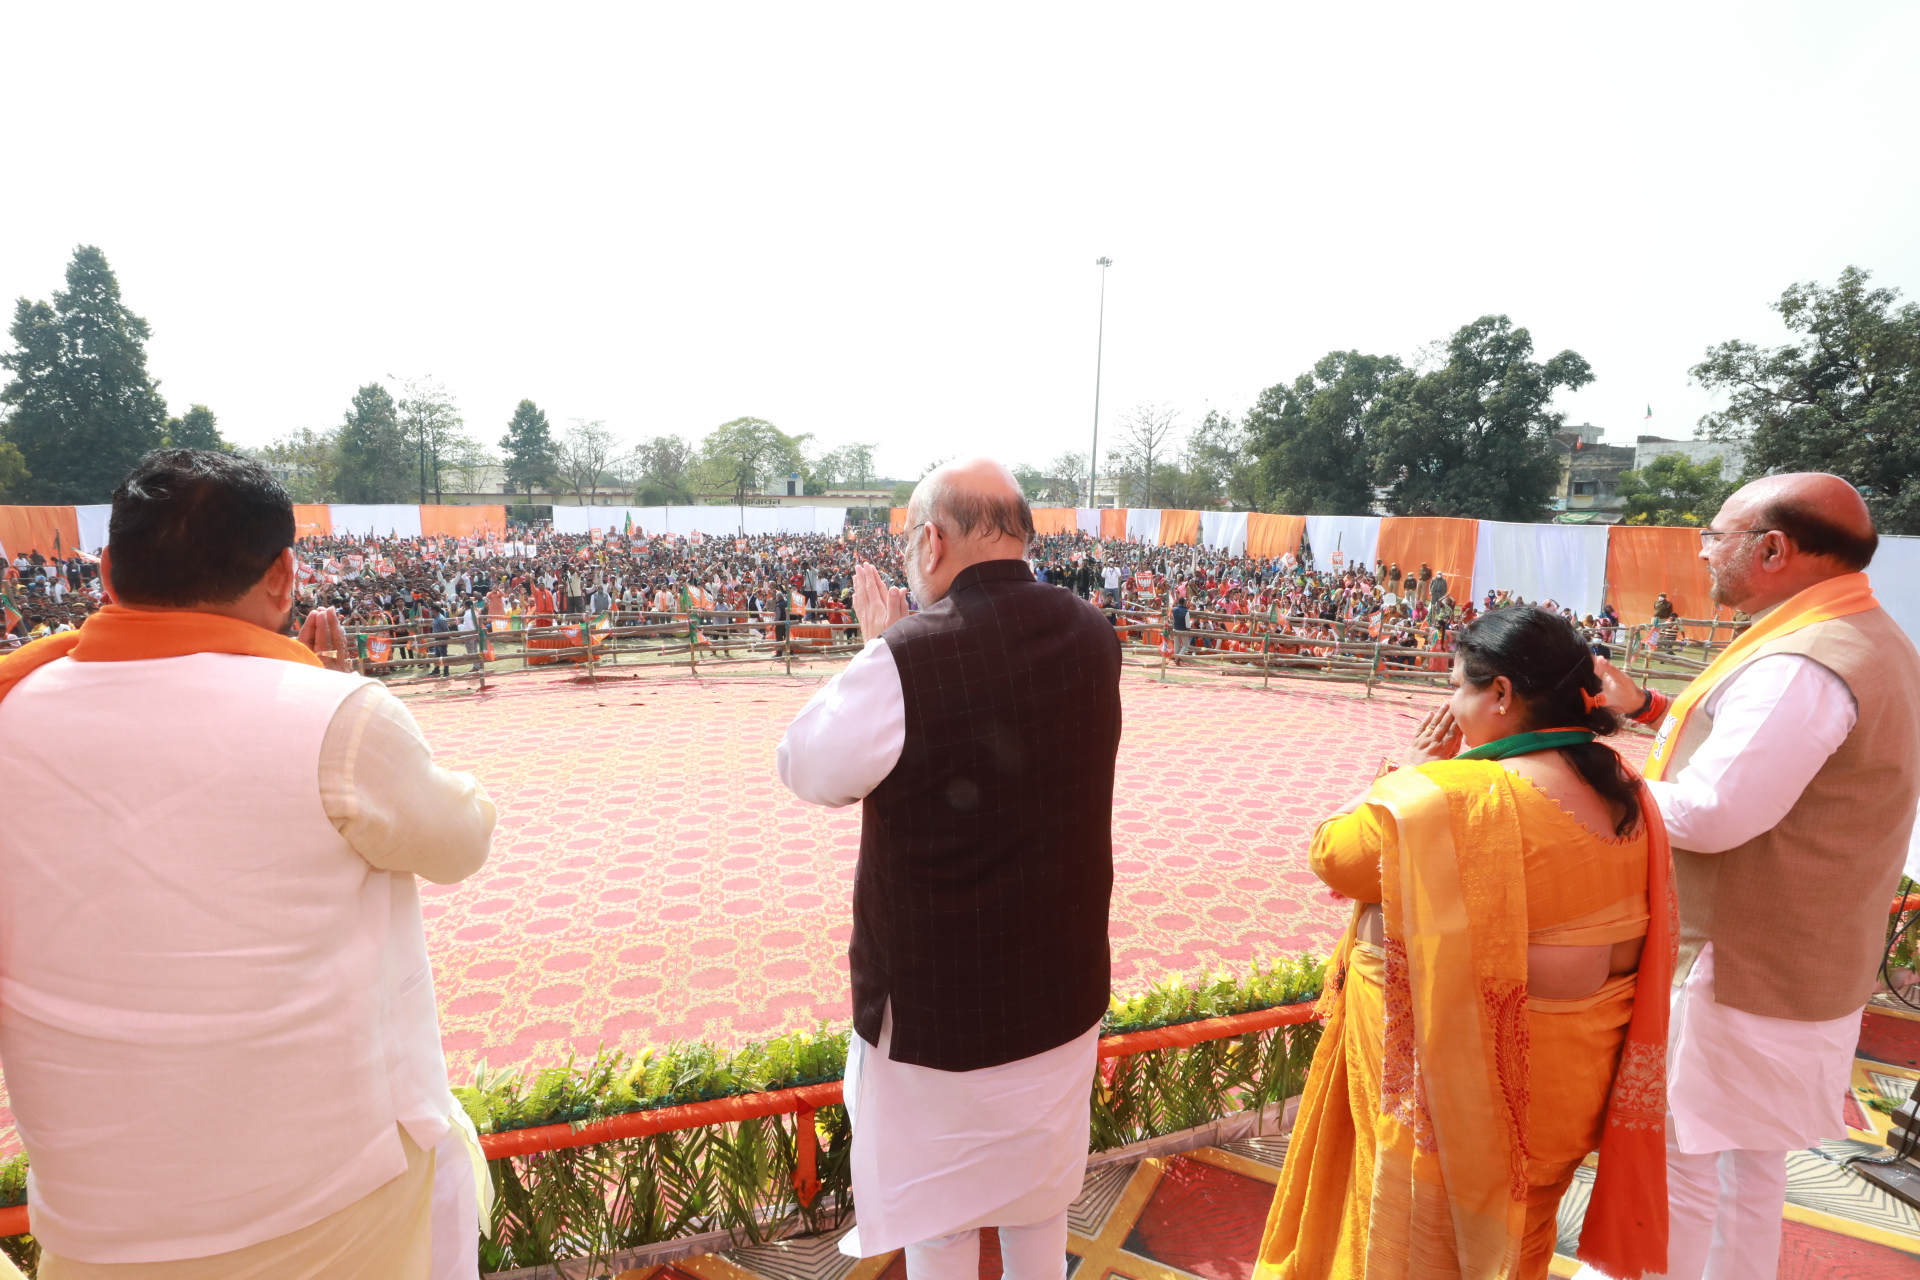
(1271, 536)
(1444, 544)
(1645, 560)
(48, 530)
(1179, 528)
(312, 520)
(897, 520)
(1113, 523)
(452, 521)
(1048, 521)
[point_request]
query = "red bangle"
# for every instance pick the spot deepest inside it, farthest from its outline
(1654, 710)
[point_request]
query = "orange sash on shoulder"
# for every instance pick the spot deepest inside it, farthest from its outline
(1849, 593)
(120, 634)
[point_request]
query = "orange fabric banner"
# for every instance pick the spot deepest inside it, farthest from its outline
(1048, 520)
(34, 529)
(1645, 560)
(1270, 536)
(312, 521)
(1113, 523)
(897, 520)
(1444, 544)
(1179, 528)
(450, 521)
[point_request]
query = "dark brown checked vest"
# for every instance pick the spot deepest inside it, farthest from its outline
(986, 856)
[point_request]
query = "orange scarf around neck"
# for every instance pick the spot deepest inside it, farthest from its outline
(120, 634)
(1839, 597)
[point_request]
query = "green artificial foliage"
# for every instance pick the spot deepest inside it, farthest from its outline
(80, 407)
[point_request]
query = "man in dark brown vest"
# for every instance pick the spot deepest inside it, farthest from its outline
(979, 734)
(1788, 774)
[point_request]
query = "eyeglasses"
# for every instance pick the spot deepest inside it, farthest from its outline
(1708, 535)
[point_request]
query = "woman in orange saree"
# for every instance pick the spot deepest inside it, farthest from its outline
(1497, 1009)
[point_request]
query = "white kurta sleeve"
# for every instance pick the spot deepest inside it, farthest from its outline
(395, 806)
(1774, 725)
(848, 737)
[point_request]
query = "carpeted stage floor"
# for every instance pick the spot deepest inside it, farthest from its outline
(652, 880)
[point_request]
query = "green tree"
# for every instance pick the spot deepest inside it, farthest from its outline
(1061, 483)
(660, 468)
(81, 408)
(1474, 437)
(741, 456)
(1313, 436)
(310, 461)
(1844, 399)
(197, 428)
(1671, 490)
(372, 455)
(529, 446)
(436, 436)
(13, 471)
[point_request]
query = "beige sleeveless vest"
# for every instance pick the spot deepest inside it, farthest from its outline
(1798, 915)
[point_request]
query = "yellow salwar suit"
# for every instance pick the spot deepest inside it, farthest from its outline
(1447, 1109)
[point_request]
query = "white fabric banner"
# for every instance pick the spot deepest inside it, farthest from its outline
(1564, 563)
(1354, 537)
(388, 520)
(1087, 520)
(831, 521)
(1143, 524)
(1224, 531)
(93, 526)
(1895, 575)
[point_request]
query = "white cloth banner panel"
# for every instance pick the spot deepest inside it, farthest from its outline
(1894, 573)
(831, 521)
(1143, 524)
(1565, 563)
(385, 520)
(1224, 531)
(1354, 537)
(574, 519)
(761, 521)
(93, 526)
(1087, 520)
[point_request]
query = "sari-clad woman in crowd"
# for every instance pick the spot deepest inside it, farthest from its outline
(1497, 1009)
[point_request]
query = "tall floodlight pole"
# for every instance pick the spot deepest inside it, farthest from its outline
(1099, 347)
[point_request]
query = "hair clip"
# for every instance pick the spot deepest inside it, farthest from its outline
(1593, 700)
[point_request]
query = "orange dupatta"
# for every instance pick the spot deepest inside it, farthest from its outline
(119, 634)
(1450, 1181)
(1849, 593)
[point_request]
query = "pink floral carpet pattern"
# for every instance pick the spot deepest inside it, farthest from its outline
(652, 881)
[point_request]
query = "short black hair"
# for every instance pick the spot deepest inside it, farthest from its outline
(195, 526)
(1817, 535)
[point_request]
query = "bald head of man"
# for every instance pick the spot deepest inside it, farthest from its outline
(965, 512)
(1781, 534)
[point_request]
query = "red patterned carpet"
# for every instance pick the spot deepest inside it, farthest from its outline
(653, 881)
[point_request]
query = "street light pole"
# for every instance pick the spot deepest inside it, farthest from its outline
(1099, 349)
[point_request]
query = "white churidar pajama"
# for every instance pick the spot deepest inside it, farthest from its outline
(939, 1154)
(1744, 1089)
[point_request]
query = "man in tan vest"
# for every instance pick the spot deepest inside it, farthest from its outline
(1788, 774)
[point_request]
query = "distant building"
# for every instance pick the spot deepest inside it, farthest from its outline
(1590, 475)
(1731, 454)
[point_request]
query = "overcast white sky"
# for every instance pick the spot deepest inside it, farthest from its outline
(879, 223)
